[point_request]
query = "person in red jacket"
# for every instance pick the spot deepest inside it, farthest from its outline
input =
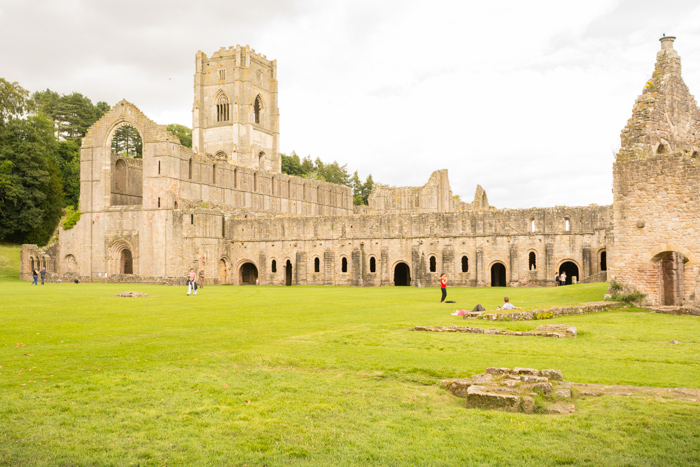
(443, 286)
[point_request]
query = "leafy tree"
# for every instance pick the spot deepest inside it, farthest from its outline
(183, 133)
(13, 100)
(291, 165)
(31, 193)
(127, 142)
(72, 114)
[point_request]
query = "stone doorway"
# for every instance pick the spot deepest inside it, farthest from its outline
(248, 274)
(498, 275)
(571, 271)
(126, 262)
(224, 269)
(671, 275)
(288, 273)
(402, 274)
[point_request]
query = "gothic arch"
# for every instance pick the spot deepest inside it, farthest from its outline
(665, 247)
(222, 106)
(258, 108)
(121, 258)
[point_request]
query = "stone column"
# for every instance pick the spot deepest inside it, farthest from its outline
(385, 274)
(548, 262)
(514, 263)
(587, 265)
(300, 268)
(357, 271)
(328, 267)
(478, 270)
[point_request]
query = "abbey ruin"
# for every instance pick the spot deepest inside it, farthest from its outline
(226, 206)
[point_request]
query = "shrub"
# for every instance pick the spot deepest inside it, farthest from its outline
(71, 217)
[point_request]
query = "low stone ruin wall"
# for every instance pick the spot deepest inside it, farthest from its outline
(543, 314)
(545, 330)
(515, 390)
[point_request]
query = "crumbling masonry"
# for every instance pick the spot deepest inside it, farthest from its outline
(226, 207)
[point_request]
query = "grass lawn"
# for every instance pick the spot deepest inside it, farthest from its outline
(323, 376)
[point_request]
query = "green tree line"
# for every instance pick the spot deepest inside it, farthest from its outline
(332, 173)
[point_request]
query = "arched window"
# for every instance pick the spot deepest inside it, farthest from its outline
(213, 174)
(532, 225)
(465, 264)
(532, 260)
(158, 167)
(258, 108)
(261, 160)
(603, 261)
(189, 171)
(255, 181)
(120, 176)
(273, 266)
(222, 108)
(344, 265)
(567, 224)
(235, 177)
(372, 264)
(317, 265)
(433, 264)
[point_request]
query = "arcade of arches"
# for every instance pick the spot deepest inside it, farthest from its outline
(248, 274)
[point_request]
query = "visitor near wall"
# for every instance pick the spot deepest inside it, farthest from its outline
(43, 274)
(201, 278)
(562, 279)
(35, 275)
(556, 280)
(192, 282)
(443, 286)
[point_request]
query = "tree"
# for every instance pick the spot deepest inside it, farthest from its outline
(291, 165)
(127, 142)
(72, 114)
(13, 100)
(183, 133)
(31, 193)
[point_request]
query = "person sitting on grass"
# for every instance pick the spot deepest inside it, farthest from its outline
(507, 305)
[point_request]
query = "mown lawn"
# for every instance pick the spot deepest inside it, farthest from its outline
(323, 376)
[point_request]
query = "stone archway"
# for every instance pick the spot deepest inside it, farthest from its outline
(224, 271)
(498, 275)
(288, 273)
(571, 270)
(126, 262)
(402, 274)
(121, 258)
(248, 274)
(671, 270)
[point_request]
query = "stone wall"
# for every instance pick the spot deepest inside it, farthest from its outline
(656, 210)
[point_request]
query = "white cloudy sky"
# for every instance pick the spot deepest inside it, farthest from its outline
(526, 98)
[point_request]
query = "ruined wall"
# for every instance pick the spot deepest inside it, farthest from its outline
(386, 240)
(655, 241)
(434, 196)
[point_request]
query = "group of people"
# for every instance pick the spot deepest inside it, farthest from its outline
(36, 274)
(192, 284)
(560, 279)
(506, 301)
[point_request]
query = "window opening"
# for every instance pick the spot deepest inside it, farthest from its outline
(273, 266)
(344, 267)
(372, 265)
(433, 264)
(532, 225)
(158, 167)
(532, 260)
(189, 172)
(235, 178)
(213, 174)
(158, 202)
(258, 108)
(317, 265)
(127, 142)
(465, 264)
(192, 219)
(222, 108)
(603, 261)
(222, 74)
(567, 225)
(223, 227)
(255, 182)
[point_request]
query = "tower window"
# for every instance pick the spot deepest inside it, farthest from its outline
(273, 267)
(532, 225)
(158, 202)
(158, 167)
(532, 260)
(222, 108)
(567, 225)
(222, 74)
(189, 171)
(192, 219)
(258, 108)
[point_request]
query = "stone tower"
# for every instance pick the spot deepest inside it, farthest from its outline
(235, 115)
(656, 209)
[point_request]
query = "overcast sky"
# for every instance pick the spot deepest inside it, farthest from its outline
(525, 98)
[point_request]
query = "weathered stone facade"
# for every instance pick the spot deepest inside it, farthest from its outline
(224, 206)
(656, 178)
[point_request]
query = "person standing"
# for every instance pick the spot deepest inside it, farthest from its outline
(556, 280)
(192, 282)
(201, 278)
(562, 279)
(43, 274)
(443, 286)
(35, 275)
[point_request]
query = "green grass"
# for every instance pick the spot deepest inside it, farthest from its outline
(318, 376)
(9, 262)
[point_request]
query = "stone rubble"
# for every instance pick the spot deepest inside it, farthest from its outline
(545, 330)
